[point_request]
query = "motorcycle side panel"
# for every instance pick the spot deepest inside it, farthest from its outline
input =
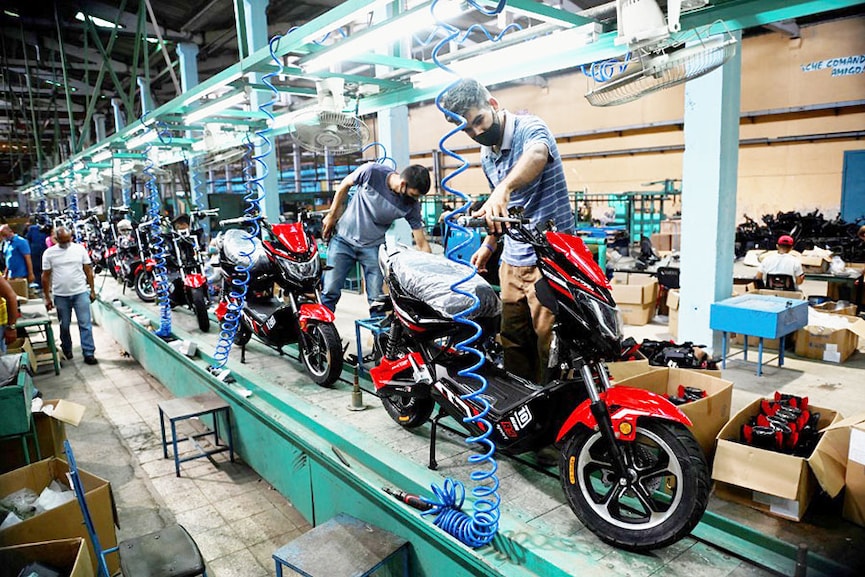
(293, 236)
(626, 404)
(384, 374)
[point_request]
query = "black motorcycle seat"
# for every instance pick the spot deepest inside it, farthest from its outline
(235, 246)
(429, 278)
(262, 309)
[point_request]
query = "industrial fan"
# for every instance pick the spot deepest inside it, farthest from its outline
(660, 56)
(326, 127)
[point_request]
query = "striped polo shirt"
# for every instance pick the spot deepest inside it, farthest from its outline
(544, 199)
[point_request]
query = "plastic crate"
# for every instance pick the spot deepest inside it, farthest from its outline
(15, 403)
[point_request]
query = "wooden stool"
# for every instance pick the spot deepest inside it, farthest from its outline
(342, 547)
(184, 408)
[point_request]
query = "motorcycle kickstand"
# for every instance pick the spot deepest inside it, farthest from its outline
(242, 354)
(433, 464)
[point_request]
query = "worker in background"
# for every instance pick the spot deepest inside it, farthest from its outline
(36, 234)
(782, 262)
(8, 314)
(17, 254)
(68, 277)
(521, 161)
(356, 230)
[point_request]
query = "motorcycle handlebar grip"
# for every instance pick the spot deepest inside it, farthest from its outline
(469, 222)
(239, 220)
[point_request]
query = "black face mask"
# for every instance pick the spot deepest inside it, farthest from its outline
(492, 135)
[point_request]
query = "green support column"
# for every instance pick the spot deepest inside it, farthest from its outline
(255, 26)
(187, 54)
(709, 174)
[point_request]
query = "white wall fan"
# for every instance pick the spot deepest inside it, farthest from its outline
(660, 56)
(327, 127)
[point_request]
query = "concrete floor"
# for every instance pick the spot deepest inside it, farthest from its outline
(238, 520)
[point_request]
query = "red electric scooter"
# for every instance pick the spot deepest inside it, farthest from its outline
(631, 470)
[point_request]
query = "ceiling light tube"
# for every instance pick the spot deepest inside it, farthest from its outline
(214, 107)
(144, 138)
(102, 155)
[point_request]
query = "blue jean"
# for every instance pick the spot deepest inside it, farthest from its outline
(80, 303)
(341, 257)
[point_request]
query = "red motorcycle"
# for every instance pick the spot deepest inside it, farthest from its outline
(286, 255)
(630, 469)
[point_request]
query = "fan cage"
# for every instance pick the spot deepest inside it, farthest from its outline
(322, 131)
(662, 71)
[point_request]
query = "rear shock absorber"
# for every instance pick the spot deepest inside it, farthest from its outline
(393, 340)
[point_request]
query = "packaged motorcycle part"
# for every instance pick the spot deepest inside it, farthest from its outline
(429, 278)
(238, 247)
(792, 400)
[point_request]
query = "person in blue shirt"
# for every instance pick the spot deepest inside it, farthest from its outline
(523, 167)
(356, 229)
(36, 236)
(17, 254)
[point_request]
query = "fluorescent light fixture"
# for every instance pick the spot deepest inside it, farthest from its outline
(102, 155)
(492, 62)
(81, 17)
(394, 29)
(214, 107)
(11, 14)
(146, 137)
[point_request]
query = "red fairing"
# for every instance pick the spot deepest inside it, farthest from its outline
(221, 309)
(314, 312)
(111, 251)
(149, 264)
(626, 404)
(293, 236)
(194, 280)
(384, 373)
(575, 250)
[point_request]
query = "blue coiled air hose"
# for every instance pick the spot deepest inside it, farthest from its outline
(481, 526)
(157, 239)
(254, 194)
(75, 214)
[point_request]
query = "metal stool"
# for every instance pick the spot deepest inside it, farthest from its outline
(169, 552)
(342, 547)
(184, 408)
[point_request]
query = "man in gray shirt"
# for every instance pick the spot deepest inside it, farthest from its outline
(381, 196)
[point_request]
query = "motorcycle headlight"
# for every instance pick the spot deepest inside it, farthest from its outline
(608, 318)
(301, 270)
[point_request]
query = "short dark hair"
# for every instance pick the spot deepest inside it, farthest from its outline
(466, 94)
(416, 177)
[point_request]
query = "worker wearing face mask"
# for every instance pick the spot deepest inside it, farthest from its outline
(68, 277)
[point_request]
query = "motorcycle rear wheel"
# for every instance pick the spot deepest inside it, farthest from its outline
(199, 305)
(321, 353)
(144, 286)
(408, 412)
(661, 504)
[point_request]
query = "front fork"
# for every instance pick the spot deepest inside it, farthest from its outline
(602, 415)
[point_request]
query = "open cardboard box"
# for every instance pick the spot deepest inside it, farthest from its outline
(622, 370)
(66, 555)
(773, 482)
(636, 296)
(51, 421)
(65, 521)
(854, 495)
(708, 415)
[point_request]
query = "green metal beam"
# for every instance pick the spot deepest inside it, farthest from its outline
(541, 11)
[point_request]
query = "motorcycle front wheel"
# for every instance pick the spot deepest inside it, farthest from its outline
(144, 286)
(662, 500)
(199, 305)
(408, 412)
(321, 353)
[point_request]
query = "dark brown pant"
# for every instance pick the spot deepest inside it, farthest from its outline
(527, 325)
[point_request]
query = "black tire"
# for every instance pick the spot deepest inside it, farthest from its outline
(144, 286)
(243, 334)
(111, 264)
(408, 412)
(671, 476)
(199, 305)
(321, 353)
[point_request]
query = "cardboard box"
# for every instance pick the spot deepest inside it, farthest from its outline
(51, 423)
(708, 415)
(65, 521)
(854, 495)
(832, 308)
(813, 342)
(754, 342)
(662, 241)
(673, 312)
(636, 296)
(67, 555)
(20, 286)
(813, 263)
(776, 483)
(626, 369)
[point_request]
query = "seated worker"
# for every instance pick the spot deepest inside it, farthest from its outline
(782, 262)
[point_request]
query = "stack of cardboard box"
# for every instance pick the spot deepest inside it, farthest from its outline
(636, 296)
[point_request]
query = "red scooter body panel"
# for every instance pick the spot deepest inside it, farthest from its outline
(194, 280)
(625, 404)
(383, 373)
(221, 309)
(294, 237)
(313, 312)
(576, 252)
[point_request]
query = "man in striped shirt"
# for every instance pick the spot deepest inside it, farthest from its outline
(521, 161)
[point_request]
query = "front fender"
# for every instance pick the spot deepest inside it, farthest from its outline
(313, 312)
(626, 404)
(194, 280)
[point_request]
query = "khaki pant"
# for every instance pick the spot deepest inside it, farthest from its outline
(527, 325)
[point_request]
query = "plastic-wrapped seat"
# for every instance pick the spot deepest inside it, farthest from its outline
(236, 246)
(429, 278)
